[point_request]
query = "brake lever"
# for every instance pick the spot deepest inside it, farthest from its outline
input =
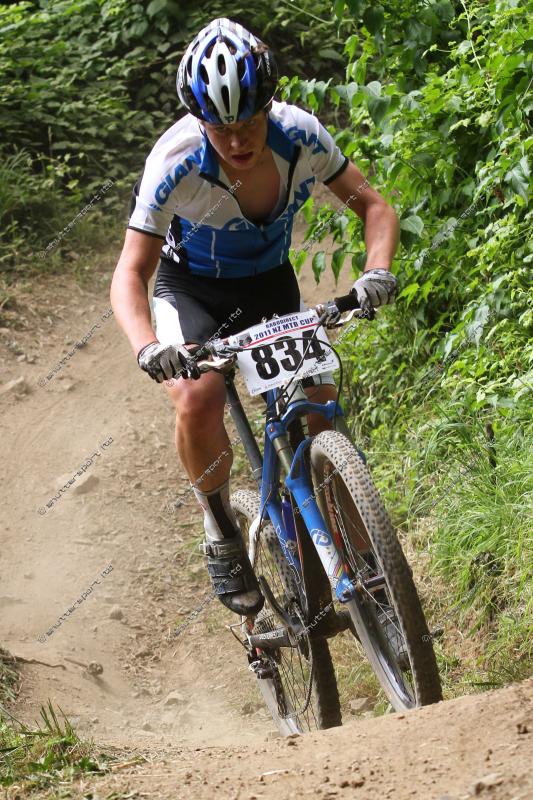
(339, 321)
(333, 320)
(217, 363)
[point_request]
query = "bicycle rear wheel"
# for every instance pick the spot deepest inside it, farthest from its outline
(386, 611)
(297, 683)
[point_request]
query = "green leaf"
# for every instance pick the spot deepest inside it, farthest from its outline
(155, 7)
(409, 292)
(138, 29)
(339, 225)
(394, 171)
(373, 89)
(306, 210)
(377, 104)
(297, 259)
(426, 289)
(412, 224)
(378, 107)
(327, 52)
(373, 19)
(464, 47)
(347, 91)
(462, 123)
(518, 176)
(358, 262)
(355, 7)
(337, 261)
(319, 264)
(357, 70)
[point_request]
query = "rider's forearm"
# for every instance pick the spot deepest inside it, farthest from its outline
(382, 234)
(129, 299)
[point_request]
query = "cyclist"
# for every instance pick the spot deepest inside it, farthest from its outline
(215, 208)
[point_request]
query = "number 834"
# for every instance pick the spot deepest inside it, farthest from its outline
(285, 352)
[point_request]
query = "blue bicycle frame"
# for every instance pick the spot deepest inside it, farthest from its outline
(299, 485)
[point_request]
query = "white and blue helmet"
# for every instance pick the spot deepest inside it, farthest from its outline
(227, 74)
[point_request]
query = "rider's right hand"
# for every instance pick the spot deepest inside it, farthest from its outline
(166, 361)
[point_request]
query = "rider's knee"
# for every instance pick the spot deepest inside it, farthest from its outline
(199, 401)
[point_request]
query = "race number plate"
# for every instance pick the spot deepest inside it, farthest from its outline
(281, 349)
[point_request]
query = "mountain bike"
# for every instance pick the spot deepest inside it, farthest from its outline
(321, 543)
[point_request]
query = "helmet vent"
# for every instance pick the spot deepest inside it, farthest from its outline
(203, 74)
(225, 97)
(221, 63)
(241, 68)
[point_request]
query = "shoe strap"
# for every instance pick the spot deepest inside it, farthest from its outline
(226, 548)
(230, 581)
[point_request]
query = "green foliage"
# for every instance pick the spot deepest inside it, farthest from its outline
(437, 102)
(38, 759)
(89, 85)
(434, 109)
(481, 499)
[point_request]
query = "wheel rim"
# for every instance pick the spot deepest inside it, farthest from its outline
(349, 530)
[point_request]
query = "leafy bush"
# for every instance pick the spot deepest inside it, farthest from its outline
(88, 85)
(436, 102)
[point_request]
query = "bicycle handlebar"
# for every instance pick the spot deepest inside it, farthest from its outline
(222, 355)
(348, 302)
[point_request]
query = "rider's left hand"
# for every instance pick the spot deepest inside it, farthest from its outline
(376, 287)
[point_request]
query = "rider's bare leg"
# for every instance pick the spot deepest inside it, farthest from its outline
(201, 439)
(320, 394)
(204, 449)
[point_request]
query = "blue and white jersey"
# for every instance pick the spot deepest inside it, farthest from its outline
(186, 198)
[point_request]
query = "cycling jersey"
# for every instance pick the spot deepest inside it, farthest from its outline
(185, 197)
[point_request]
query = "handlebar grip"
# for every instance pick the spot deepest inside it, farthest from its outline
(347, 302)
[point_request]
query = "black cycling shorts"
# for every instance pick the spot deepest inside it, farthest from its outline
(189, 309)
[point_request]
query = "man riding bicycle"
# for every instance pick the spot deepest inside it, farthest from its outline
(220, 190)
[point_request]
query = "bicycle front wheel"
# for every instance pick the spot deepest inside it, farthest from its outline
(386, 610)
(297, 683)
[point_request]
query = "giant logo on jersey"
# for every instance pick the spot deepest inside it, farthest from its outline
(300, 195)
(169, 183)
(296, 134)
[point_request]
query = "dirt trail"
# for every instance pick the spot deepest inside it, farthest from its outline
(113, 565)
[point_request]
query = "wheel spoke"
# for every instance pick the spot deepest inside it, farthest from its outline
(296, 674)
(357, 562)
(385, 609)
